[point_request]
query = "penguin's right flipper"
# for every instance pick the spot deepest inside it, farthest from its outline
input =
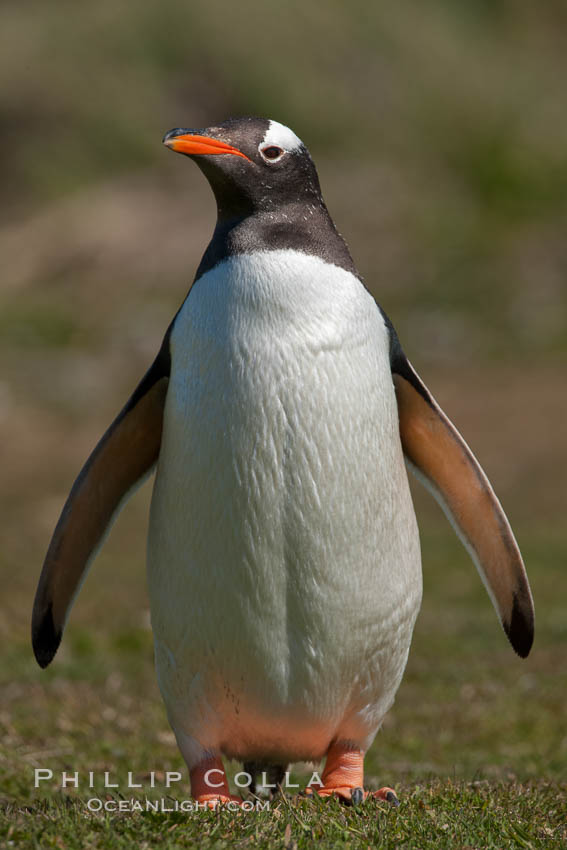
(438, 455)
(124, 456)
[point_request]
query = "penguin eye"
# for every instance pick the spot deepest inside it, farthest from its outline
(271, 153)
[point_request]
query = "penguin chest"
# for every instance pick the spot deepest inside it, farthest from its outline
(283, 550)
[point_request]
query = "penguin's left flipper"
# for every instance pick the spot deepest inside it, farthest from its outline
(435, 451)
(125, 455)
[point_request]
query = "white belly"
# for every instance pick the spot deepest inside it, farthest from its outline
(283, 555)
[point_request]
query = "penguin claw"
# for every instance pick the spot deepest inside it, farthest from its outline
(386, 794)
(353, 796)
(357, 796)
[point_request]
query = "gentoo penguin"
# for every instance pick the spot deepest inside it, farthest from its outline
(280, 413)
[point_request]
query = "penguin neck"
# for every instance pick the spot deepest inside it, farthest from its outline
(305, 227)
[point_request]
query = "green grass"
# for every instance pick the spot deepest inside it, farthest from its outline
(440, 814)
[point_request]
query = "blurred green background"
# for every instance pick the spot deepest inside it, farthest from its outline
(440, 134)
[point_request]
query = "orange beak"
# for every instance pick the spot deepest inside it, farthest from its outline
(200, 146)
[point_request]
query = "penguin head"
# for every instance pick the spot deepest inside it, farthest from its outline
(252, 164)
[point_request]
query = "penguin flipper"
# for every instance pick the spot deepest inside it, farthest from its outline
(121, 460)
(439, 457)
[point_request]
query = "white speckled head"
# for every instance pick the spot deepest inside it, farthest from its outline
(280, 135)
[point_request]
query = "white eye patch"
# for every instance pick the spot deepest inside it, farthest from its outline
(282, 137)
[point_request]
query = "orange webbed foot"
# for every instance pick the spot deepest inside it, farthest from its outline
(343, 778)
(213, 801)
(353, 796)
(209, 785)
